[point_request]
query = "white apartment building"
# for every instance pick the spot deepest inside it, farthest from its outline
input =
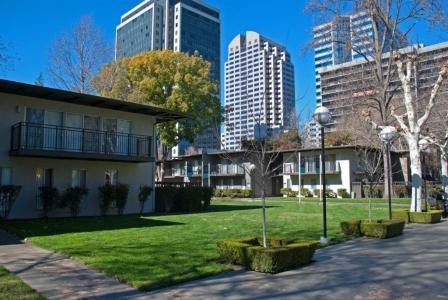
(259, 88)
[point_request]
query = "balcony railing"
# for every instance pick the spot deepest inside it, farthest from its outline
(227, 170)
(331, 167)
(29, 139)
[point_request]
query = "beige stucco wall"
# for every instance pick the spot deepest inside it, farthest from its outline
(12, 111)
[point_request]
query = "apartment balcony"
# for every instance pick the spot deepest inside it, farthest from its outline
(331, 167)
(227, 170)
(174, 172)
(39, 140)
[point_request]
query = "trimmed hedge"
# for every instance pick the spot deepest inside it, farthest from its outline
(182, 199)
(401, 214)
(232, 193)
(343, 193)
(283, 256)
(430, 217)
(351, 227)
(382, 229)
(288, 192)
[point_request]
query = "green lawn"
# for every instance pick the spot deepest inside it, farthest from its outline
(12, 288)
(160, 250)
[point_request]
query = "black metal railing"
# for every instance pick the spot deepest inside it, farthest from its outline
(40, 137)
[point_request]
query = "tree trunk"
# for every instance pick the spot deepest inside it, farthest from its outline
(263, 202)
(444, 165)
(416, 172)
(387, 174)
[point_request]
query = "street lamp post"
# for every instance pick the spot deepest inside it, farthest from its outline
(387, 135)
(322, 116)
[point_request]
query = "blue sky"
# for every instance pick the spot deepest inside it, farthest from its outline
(30, 26)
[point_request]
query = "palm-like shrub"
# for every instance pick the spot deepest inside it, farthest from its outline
(143, 195)
(72, 198)
(107, 196)
(49, 196)
(121, 197)
(8, 196)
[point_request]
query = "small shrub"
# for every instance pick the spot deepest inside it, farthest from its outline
(382, 229)
(107, 196)
(430, 217)
(218, 193)
(285, 191)
(343, 193)
(72, 198)
(351, 228)
(143, 195)
(121, 197)
(8, 196)
(247, 193)
(305, 192)
(49, 197)
(206, 197)
(316, 193)
(401, 214)
(248, 252)
(401, 191)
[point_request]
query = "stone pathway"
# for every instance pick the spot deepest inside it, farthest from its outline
(55, 276)
(413, 266)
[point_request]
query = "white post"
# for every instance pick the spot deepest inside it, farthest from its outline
(300, 178)
(321, 178)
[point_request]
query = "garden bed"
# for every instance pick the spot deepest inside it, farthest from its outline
(281, 255)
(382, 229)
(430, 217)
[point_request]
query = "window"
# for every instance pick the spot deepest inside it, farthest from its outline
(111, 177)
(5, 176)
(44, 177)
(79, 178)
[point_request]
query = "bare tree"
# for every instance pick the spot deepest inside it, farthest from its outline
(6, 59)
(77, 55)
(393, 24)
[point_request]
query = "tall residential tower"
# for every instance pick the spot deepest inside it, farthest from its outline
(259, 88)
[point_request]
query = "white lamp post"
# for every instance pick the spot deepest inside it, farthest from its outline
(387, 136)
(322, 116)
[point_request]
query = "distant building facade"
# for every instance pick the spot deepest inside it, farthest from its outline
(330, 49)
(259, 88)
(345, 85)
(189, 26)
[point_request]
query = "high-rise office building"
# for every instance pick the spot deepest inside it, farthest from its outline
(189, 26)
(259, 89)
(343, 39)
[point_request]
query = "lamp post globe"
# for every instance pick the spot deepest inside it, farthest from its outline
(388, 134)
(423, 144)
(322, 115)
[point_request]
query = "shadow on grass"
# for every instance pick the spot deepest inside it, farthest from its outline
(45, 227)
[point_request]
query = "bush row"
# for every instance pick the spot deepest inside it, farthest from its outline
(382, 229)
(428, 217)
(281, 255)
(232, 193)
(183, 199)
(304, 192)
(71, 198)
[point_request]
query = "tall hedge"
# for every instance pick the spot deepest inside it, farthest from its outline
(182, 199)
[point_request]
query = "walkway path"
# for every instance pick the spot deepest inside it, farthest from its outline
(413, 266)
(55, 276)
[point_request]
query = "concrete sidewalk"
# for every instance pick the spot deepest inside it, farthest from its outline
(55, 276)
(413, 266)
